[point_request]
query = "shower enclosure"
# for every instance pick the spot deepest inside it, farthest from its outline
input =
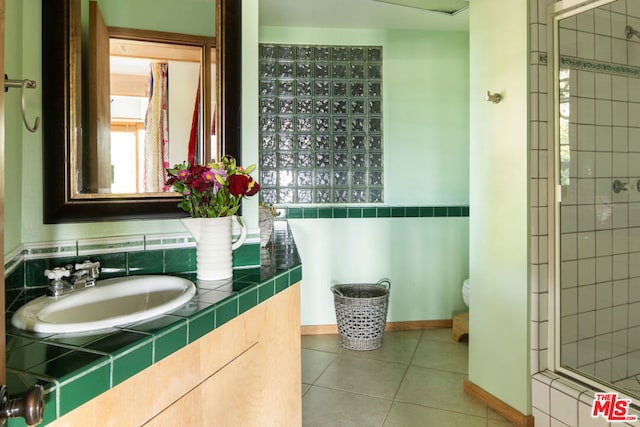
(598, 173)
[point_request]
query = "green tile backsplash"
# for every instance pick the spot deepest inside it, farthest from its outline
(30, 273)
(374, 212)
(16, 279)
(176, 260)
(144, 262)
(246, 255)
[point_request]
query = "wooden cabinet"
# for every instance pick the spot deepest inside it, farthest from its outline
(245, 373)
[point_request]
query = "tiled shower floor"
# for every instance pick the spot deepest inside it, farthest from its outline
(414, 379)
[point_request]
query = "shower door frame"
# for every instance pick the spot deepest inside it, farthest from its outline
(556, 12)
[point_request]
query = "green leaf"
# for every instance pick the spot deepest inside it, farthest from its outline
(185, 205)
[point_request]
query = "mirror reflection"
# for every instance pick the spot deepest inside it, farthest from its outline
(155, 113)
(149, 102)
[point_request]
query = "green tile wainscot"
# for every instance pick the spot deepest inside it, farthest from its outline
(74, 369)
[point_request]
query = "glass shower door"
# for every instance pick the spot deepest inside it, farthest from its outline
(599, 173)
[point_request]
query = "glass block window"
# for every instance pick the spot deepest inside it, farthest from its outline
(320, 124)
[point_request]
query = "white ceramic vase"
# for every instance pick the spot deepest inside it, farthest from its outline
(214, 245)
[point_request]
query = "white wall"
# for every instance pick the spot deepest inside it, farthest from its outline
(498, 260)
(425, 259)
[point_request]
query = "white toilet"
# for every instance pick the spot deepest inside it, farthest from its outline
(466, 288)
(460, 322)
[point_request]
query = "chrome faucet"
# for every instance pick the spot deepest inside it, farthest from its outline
(57, 286)
(85, 274)
(63, 280)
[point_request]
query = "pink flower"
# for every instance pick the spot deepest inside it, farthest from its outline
(221, 172)
(208, 176)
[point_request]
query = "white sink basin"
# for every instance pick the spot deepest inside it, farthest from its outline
(112, 302)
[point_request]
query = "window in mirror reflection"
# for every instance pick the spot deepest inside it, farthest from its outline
(126, 153)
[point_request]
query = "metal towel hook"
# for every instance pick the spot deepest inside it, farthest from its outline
(494, 97)
(23, 85)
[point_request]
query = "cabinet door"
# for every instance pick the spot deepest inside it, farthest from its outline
(223, 399)
(261, 386)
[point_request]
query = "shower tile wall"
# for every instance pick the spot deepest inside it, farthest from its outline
(600, 229)
(538, 183)
(558, 400)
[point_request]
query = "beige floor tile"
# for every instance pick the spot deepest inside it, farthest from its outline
(328, 343)
(371, 377)
(438, 389)
(447, 356)
(396, 347)
(305, 388)
(439, 334)
(322, 407)
(314, 364)
(415, 379)
(407, 415)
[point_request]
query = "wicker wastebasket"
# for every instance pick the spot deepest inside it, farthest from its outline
(361, 313)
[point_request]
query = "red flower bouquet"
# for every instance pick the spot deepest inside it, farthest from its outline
(214, 190)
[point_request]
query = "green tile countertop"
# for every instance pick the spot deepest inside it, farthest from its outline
(74, 369)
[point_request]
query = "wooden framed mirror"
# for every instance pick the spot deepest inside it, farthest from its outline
(64, 130)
